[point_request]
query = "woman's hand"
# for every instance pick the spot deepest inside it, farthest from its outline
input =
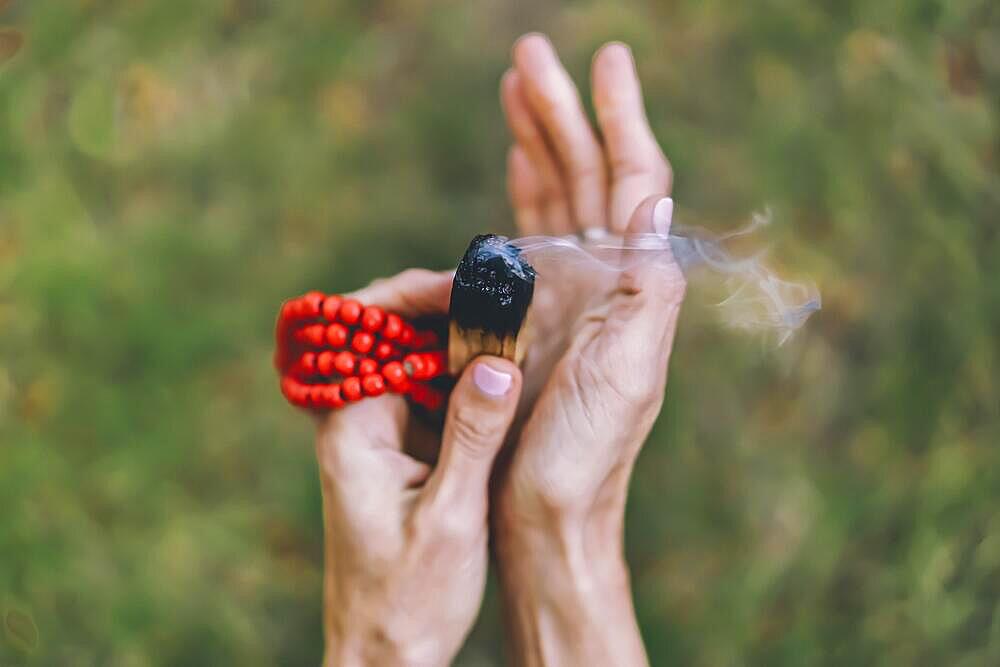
(406, 544)
(560, 502)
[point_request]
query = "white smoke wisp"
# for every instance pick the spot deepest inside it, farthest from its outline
(756, 298)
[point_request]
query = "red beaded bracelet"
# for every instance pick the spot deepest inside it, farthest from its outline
(332, 351)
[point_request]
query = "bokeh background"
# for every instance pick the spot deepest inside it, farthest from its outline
(171, 170)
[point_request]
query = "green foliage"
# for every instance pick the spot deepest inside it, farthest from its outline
(170, 171)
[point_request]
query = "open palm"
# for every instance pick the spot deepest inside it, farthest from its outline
(563, 178)
(597, 367)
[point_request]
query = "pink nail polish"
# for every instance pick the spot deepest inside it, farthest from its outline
(663, 213)
(491, 381)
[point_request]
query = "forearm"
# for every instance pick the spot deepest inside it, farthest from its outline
(567, 598)
(355, 634)
(358, 636)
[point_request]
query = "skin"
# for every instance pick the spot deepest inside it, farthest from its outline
(559, 505)
(406, 544)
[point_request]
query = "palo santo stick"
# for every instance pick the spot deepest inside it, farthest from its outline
(490, 296)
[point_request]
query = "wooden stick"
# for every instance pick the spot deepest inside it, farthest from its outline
(490, 297)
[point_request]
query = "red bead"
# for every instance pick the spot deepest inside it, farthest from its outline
(296, 392)
(413, 364)
(281, 351)
(362, 342)
(425, 339)
(333, 397)
(394, 373)
(366, 366)
(313, 301)
(331, 306)
(326, 396)
(324, 362)
(286, 317)
(406, 335)
(372, 319)
(296, 309)
(312, 334)
(373, 384)
(383, 350)
(424, 365)
(336, 335)
(426, 396)
(393, 327)
(350, 311)
(307, 362)
(316, 396)
(351, 388)
(437, 361)
(344, 363)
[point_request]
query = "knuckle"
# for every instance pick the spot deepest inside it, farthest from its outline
(557, 500)
(549, 101)
(612, 112)
(660, 285)
(549, 193)
(542, 494)
(630, 164)
(557, 100)
(459, 525)
(334, 460)
(523, 127)
(587, 170)
(415, 275)
(474, 429)
(446, 522)
(664, 172)
(419, 524)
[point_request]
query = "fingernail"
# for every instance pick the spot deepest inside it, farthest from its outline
(491, 381)
(620, 51)
(663, 213)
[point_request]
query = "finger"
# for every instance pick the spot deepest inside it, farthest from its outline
(412, 293)
(358, 449)
(406, 470)
(555, 102)
(525, 190)
(480, 412)
(371, 424)
(638, 167)
(529, 134)
(654, 286)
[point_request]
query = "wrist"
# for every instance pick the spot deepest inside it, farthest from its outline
(365, 650)
(341, 653)
(357, 635)
(566, 587)
(561, 556)
(586, 535)
(567, 603)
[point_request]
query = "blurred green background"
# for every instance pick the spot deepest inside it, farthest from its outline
(170, 171)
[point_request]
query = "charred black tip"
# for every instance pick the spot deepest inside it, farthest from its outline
(493, 287)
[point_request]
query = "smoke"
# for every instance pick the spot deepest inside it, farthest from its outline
(755, 298)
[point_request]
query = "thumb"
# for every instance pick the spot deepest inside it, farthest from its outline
(653, 282)
(480, 412)
(642, 321)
